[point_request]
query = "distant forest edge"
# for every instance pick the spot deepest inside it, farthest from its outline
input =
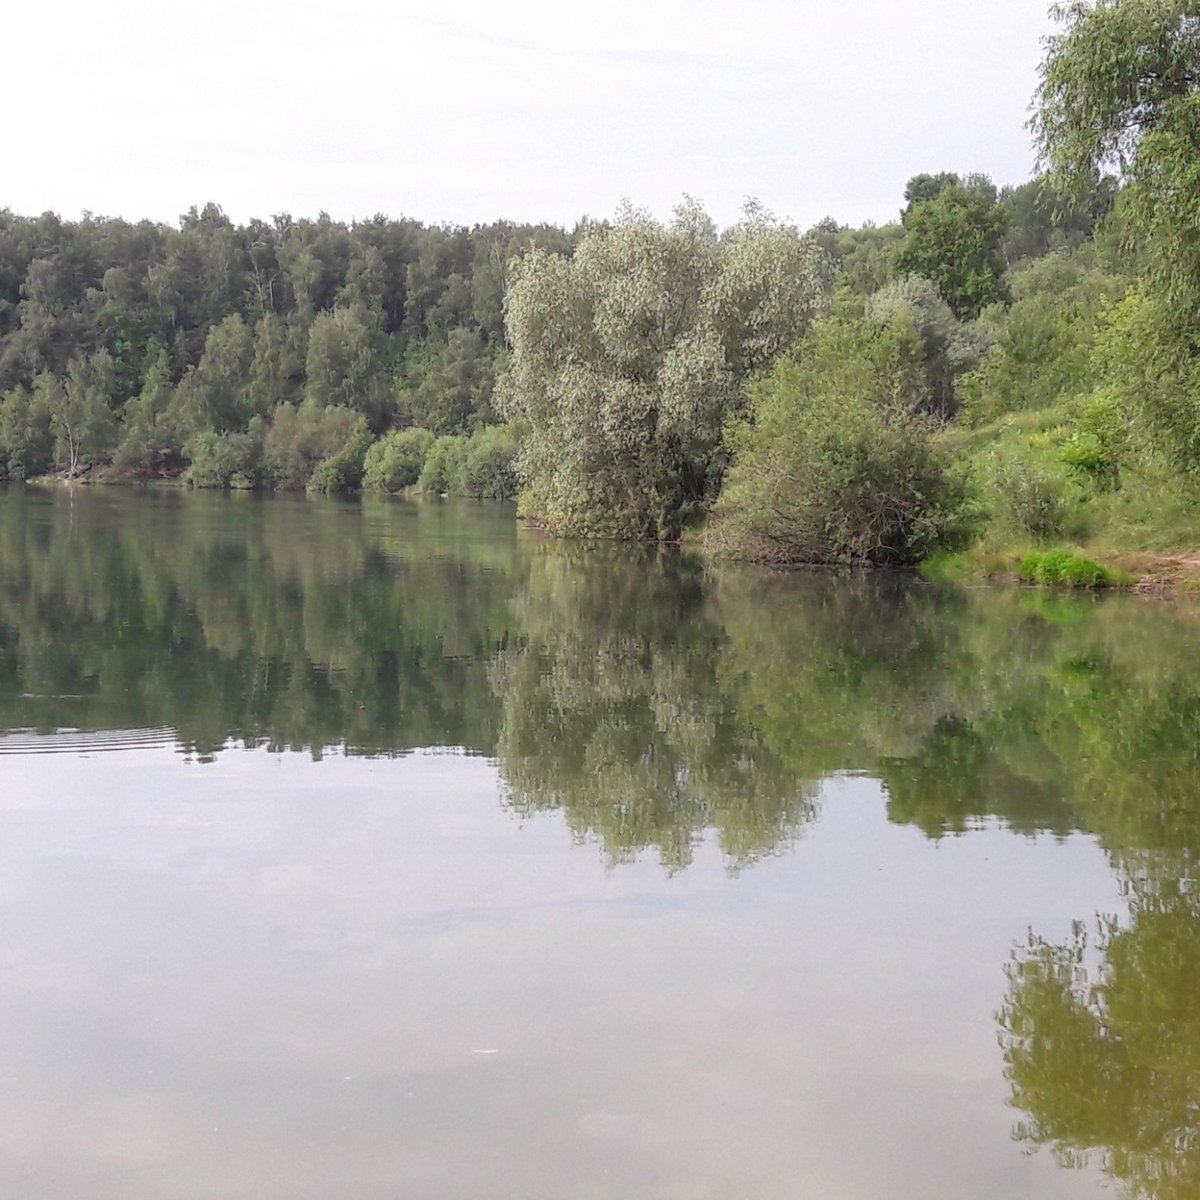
(252, 355)
(245, 354)
(147, 347)
(1013, 370)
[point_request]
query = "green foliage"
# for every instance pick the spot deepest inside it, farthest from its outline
(225, 322)
(150, 438)
(1063, 568)
(1121, 89)
(1100, 444)
(442, 473)
(1045, 343)
(945, 567)
(835, 462)
(923, 188)
(26, 440)
(221, 460)
(83, 424)
(628, 358)
(949, 348)
(482, 466)
(1042, 220)
(214, 395)
(489, 467)
(1116, 71)
(1077, 408)
(277, 369)
(954, 240)
(1148, 378)
(448, 387)
(1162, 205)
(395, 461)
(1084, 472)
(299, 438)
(864, 257)
(1028, 494)
(344, 367)
(342, 471)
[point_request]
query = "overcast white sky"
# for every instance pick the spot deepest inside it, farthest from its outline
(527, 109)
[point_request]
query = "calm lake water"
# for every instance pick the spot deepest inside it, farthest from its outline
(386, 850)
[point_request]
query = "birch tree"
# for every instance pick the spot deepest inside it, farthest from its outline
(83, 424)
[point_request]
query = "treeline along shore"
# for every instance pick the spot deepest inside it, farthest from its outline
(1003, 380)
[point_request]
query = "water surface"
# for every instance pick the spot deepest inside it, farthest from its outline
(386, 850)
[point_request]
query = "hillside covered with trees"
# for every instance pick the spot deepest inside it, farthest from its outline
(1005, 368)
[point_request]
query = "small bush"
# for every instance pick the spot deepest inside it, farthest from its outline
(1095, 451)
(443, 469)
(1063, 568)
(134, 454)
(945, 568)
(301, 437)
(396, 460)
(489, 465)
(835, 465)
(1029, 497)
(342, 471)
(220, 460)
(144, 451)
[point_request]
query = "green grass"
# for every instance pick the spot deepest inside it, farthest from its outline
(1057, 567)
(1014, 428)
(1046, 521)
(1064, 568)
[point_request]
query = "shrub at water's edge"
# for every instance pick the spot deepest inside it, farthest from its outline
(835, 462)
(395, 461)
(482, 466)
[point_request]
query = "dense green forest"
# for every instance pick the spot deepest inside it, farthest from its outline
(1004, 368)
(257, 354)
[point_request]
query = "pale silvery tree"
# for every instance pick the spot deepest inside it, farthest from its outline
(629, 358)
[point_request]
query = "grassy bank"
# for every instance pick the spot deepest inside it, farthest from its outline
(1059, 507)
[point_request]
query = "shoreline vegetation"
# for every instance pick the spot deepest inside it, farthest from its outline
(1004, 383)
(1175, 573)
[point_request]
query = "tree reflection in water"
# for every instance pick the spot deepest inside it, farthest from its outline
(655, 702)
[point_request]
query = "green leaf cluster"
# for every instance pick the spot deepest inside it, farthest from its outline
(836, 461)
(954, 240)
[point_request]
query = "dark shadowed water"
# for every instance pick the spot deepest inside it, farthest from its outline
(387, 850)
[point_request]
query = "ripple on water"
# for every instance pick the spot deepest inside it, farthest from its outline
(75, 741)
